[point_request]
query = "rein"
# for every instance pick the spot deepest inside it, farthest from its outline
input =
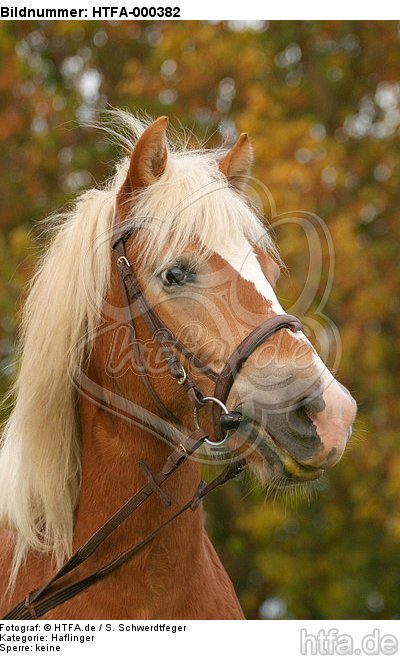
(45, 598)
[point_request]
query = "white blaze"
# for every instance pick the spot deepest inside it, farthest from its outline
(245, 262)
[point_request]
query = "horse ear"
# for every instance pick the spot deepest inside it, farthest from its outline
(237, 163)
(148, 161)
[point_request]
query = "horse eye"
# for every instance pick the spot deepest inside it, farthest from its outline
(176, 275)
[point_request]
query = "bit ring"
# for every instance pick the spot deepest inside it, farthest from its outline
(197, 425)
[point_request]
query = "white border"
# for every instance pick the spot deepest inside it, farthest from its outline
(248, 10)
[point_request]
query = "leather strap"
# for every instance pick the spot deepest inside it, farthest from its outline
(156, 326)
(43, 599)
(125, 272)
(132, 293)
(172, 463)
(239, 356)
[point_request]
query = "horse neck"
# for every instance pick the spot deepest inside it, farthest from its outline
(111, 450)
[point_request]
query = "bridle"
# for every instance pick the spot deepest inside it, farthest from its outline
(223, 420)
(48, 596)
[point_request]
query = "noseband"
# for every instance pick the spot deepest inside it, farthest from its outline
(223, 420)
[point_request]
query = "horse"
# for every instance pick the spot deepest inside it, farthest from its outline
(145, 288)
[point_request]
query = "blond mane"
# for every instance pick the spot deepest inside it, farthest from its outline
(40, 468)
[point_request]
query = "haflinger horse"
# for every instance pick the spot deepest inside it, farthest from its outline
(153, 309)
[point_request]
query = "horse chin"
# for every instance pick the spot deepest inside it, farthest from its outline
(270, 460)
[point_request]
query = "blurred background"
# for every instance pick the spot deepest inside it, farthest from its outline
(321, 102)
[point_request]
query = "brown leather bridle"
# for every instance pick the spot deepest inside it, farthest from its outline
(48, 596)
(223, 420)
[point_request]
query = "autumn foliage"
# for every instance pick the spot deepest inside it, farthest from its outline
(321, 102)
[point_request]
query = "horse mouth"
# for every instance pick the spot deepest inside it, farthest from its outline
(277, 459)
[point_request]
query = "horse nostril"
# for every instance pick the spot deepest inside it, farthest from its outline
(312, 405)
